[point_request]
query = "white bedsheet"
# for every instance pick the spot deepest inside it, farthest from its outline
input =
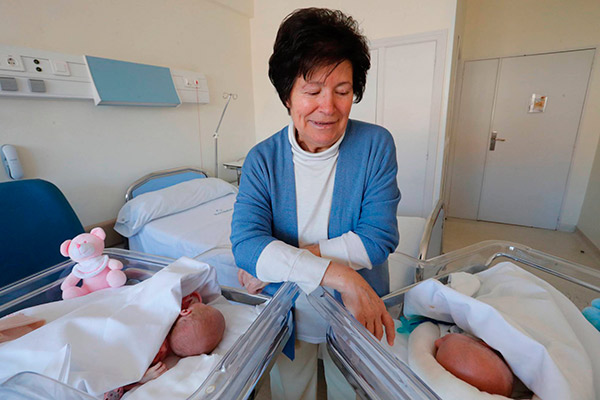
(540, 333)
(201, 232)
(188, 233)
(96, 339)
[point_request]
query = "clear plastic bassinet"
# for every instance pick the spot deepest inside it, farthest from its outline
(235, 376)
(375, 373)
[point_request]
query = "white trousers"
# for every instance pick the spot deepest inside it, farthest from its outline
(297, 380)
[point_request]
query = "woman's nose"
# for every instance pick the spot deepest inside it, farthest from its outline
(326, 103)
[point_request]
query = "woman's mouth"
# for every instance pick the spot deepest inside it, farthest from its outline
(322, 124)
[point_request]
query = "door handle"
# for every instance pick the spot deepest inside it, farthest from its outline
(495, 139)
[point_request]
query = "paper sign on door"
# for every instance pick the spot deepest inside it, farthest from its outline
(537, 103)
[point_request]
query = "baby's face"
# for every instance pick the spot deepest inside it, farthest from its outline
(474, 362)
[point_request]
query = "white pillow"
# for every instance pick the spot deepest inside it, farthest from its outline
(173, 199)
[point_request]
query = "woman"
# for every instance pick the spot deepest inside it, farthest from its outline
(317, 200)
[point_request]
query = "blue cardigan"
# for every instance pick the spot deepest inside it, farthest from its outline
(365, 199)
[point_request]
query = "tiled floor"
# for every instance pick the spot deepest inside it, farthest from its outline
(459, 233)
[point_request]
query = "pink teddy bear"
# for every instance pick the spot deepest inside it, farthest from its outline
(97, 270)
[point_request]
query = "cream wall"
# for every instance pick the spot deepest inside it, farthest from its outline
(92, 153)
(378, 19)
(515, 27)
(589, 222)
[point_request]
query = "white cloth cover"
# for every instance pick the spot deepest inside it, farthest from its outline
(464, 283)
(108, 338)
(173, 199)
(543, 337)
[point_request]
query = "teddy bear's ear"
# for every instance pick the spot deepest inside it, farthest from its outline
(64, 248)
(98, 232)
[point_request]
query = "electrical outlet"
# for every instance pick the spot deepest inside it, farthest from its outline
(11, 62)
(191, 82)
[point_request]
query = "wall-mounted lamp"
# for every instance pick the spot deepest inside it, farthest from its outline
(227, 96)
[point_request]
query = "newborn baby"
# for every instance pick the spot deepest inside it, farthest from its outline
(474, 362)
(197, 330)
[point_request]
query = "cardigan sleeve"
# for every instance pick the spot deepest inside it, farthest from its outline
(251, 225)
(377, 225)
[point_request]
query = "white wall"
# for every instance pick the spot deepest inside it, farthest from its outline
(515, 27)
(92, 153)
(378, 19)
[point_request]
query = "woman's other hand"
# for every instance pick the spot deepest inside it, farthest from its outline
(361, 300)
(314, 248)
(253, 285)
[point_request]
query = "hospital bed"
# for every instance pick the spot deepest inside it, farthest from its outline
(203, 231)
(376, 372)
(235, 376)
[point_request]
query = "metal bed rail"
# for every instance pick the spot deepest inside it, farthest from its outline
(161, 174)
(432, 234)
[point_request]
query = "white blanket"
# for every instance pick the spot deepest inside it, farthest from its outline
(541, 334)
(108, 338)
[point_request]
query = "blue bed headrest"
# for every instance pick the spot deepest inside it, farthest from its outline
(166, 181)
(35, 218)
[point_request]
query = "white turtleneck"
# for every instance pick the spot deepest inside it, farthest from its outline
(280, 262)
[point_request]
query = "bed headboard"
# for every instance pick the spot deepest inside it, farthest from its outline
(162, 179)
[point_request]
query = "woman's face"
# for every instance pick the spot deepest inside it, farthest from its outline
(320, 106)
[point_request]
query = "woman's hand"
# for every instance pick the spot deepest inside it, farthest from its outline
(253, 285)
(361, 300)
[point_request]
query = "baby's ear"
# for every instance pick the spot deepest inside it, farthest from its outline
(184, 312)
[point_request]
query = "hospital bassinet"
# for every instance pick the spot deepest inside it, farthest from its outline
(235, 376)
(375, 373)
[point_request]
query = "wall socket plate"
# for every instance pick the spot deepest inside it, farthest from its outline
(11, 62)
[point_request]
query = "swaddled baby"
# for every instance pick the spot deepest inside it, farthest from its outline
(474, 362)
(197, 330)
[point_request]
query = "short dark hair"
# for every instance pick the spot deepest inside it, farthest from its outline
(311, 38)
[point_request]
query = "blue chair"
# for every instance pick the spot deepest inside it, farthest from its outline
(35, 218)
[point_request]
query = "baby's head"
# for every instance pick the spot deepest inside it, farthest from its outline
(474, 362)
(198, 330)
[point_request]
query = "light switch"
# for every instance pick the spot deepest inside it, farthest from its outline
(8, 84)
(60, 67)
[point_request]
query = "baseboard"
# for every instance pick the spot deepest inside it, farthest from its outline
(566, 227)
(587, 240)
(113, 238)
